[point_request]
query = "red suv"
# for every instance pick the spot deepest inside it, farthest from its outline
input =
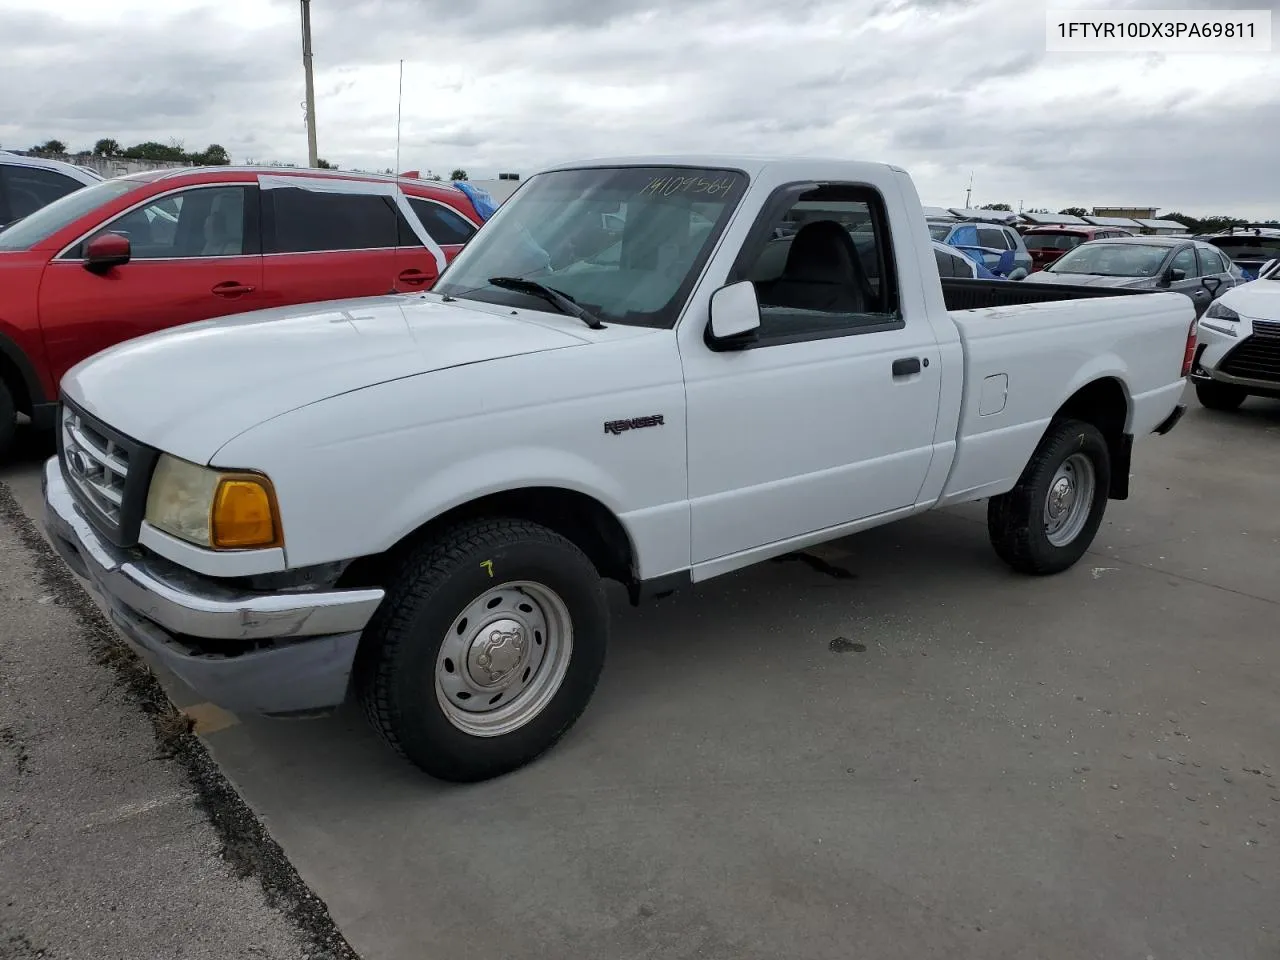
(135, 254)
(1047, 244)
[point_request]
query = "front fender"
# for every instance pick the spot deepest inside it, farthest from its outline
(356, 473)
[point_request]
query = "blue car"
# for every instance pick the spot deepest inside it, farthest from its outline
(998, 246)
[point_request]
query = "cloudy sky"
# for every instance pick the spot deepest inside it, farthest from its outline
(942, 87)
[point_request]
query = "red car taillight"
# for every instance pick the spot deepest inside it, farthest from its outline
(1189, 354)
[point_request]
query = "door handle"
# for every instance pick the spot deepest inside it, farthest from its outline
(906, 366)
(413, 275)
(230, 288)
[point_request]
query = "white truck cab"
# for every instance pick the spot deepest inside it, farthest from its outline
(653, 370)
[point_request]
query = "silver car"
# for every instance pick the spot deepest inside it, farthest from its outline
(1192, 267)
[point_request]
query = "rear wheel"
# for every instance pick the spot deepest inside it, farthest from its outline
(8, 419)
(1047, 522)
(486, 650)
(1220, 396)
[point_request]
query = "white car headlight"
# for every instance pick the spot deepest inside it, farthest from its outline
(1221, 319)
(1220, 311)
(213, 508)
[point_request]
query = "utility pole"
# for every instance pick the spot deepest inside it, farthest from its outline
(968, 194)
(312, 154)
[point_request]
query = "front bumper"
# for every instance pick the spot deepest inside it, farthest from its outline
(270, 653)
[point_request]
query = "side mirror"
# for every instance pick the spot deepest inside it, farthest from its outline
(106, 251)
(1176, 275)
(735, 315)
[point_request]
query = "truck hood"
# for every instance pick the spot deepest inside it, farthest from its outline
(190, 389)
(1091, 280)
(1259, 299)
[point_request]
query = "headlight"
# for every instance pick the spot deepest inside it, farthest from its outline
(213, 508)
(1218, 311)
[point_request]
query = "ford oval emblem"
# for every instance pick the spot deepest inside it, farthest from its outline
(76, 461)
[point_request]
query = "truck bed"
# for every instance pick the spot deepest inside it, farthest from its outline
(962, 294)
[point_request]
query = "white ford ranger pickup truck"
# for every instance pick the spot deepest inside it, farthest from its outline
(652, 370)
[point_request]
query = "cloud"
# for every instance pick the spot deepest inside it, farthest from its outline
(941, 87)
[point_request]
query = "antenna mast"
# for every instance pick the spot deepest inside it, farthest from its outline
(399, 100)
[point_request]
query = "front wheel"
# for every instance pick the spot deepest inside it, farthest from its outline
(486, 649)
(1219, 396)
(8, 419)
(1046, 523)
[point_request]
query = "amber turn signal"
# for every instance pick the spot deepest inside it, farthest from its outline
(244, 514)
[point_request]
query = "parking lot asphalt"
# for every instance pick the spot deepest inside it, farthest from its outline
(891, 747)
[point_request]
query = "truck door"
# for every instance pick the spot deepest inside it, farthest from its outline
(828, 416)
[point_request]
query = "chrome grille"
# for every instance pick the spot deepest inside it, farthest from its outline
(95, 463)
(1257, 357)
(106, 471)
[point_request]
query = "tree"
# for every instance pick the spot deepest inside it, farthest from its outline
(996, 206)
(1038, 210)
(323, 164)
(152, 150)
(50, 146)
(1074, 212)
(458, 174)
(215, 155)
(106, 147)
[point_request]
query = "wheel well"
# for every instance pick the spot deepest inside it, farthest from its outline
(1105, 404)
(585, 521)
(12, 378)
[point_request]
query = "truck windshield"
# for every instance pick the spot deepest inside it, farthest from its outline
(41, 224)
(625, 243)
(1111, 260)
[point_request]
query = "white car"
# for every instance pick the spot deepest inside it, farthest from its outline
(1238, 354)
(29, 183)
(418, 496)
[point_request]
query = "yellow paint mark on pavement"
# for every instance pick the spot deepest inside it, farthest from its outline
(208, 718)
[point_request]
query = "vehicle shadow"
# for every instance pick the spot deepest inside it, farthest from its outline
(848, 613)
(30, 446)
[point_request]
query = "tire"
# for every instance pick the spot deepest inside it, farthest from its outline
(1021, 523)
(1220, 396)
(425, 671)
(8, 420)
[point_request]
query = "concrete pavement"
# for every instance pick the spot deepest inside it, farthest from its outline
(895, 748)
(119, 838)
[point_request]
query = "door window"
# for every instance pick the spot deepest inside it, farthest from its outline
(833, 275)
(30, 188)
(1186, 262)
(202, 222)
(1210, 262)
(993, 238)
(444, 225)
(308, 221)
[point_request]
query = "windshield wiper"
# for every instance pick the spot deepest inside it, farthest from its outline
(563, 301)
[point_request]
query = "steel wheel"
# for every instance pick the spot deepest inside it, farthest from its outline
(1070, 498)
(504, 658)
